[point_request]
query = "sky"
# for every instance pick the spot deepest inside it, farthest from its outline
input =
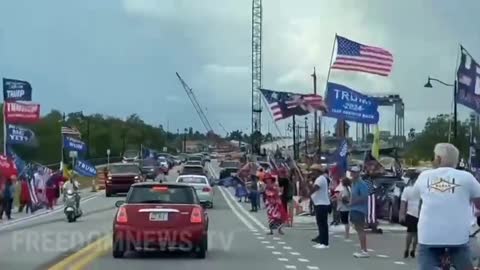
(119, 57)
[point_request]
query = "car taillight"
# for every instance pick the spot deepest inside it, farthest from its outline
(197, 215)
(122, 215)
(206, 189)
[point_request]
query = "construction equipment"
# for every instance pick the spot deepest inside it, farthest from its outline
(196, 105)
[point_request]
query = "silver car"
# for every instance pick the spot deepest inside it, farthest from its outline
(202, 187)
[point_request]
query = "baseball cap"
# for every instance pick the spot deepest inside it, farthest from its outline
(355, 169)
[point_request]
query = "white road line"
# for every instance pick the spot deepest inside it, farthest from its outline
(382, 256)
(260, 237)
(287, 247)
(248, 214)
(276, 253)
(235, 211)
(337, 236)
(290, 267)
(370, 250)
(282, 259)
(265, 242)
(277, 238)
(270, 247)
(257, 234)
(312, 267)
(295, 253)
(399, 262)
(303, 260)
(281, 243)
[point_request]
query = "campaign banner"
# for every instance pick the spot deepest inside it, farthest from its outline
(85, 168)
(22, 113)
(349, 105)
(468, 81)
(73, 144)
(20, 135)
(16, 90)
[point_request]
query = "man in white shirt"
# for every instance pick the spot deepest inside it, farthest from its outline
(321, 201)
(409, 208)
(445, 210)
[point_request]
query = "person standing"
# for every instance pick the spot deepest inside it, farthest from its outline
(409, 216)
(372, 214)
(25, 198)
(343, 200)
(321, 201)
(286, 190)
(253, 191)
(359, 209)
(445, 218)
(8, 194)
(276, 215)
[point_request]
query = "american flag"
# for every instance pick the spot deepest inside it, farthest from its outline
(70, 131)
(284, 105)
(354, 56)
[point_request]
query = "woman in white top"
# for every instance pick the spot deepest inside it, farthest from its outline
(409, 210)
(343, 200)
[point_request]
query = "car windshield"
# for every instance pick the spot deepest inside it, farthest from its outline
(124, 169)
(130, 153)
(162, 194)
(195, 158)
(192, 180)
(150, 163)
(194, 163)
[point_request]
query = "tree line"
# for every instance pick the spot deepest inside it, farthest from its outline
(100, 132)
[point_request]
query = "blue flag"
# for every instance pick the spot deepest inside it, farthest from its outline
(19, 163)
(85, 168)
(349, 105)
(468, 78)
(16, 90)
(73, 144)
(20, 135)
(342, 157)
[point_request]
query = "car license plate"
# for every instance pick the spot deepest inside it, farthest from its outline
(158, 216)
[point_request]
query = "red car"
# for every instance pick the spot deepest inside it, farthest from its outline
(160, 217)
(121, 177)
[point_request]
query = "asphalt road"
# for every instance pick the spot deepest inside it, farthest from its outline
(237, 241)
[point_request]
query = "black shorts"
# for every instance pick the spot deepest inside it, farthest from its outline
(344, 217)
(411, 223)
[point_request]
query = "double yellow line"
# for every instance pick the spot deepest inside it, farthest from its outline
(82, 258)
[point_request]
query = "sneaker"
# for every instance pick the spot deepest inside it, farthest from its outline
(361, 254)
(320, 246)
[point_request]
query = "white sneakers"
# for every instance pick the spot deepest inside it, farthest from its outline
(320, 246)
(361, 254)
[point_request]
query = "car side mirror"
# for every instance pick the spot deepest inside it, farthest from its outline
(119, 203)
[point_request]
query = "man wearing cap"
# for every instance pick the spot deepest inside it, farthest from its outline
(321, 201)
(359, 209)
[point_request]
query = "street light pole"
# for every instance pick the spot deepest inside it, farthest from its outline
(455, 112)
(185, 141)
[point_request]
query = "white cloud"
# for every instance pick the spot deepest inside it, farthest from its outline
(222, 70)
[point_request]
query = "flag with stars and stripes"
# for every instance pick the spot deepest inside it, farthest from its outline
(70, 131)
(284, 104)
(353, 56)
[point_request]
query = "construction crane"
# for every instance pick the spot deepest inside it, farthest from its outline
(196, 105)
(257, 12)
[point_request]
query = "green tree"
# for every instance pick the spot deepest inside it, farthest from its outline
(436, 130)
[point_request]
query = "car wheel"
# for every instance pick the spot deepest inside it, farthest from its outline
(201, 249)
(118, 249)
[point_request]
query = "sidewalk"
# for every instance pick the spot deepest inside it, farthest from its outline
(17, 217)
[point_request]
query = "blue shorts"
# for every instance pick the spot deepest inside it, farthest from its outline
(429, 257)
(357, 217)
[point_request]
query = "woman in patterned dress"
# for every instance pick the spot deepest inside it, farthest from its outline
(275, 212)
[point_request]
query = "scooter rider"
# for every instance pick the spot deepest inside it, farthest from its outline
(73, 185)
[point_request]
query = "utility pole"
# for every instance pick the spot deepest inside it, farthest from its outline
(294, 129)
(306, 136)
(315, 114)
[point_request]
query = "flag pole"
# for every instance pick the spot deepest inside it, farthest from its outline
(325, 98)
(4, 130)
(61, 143)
